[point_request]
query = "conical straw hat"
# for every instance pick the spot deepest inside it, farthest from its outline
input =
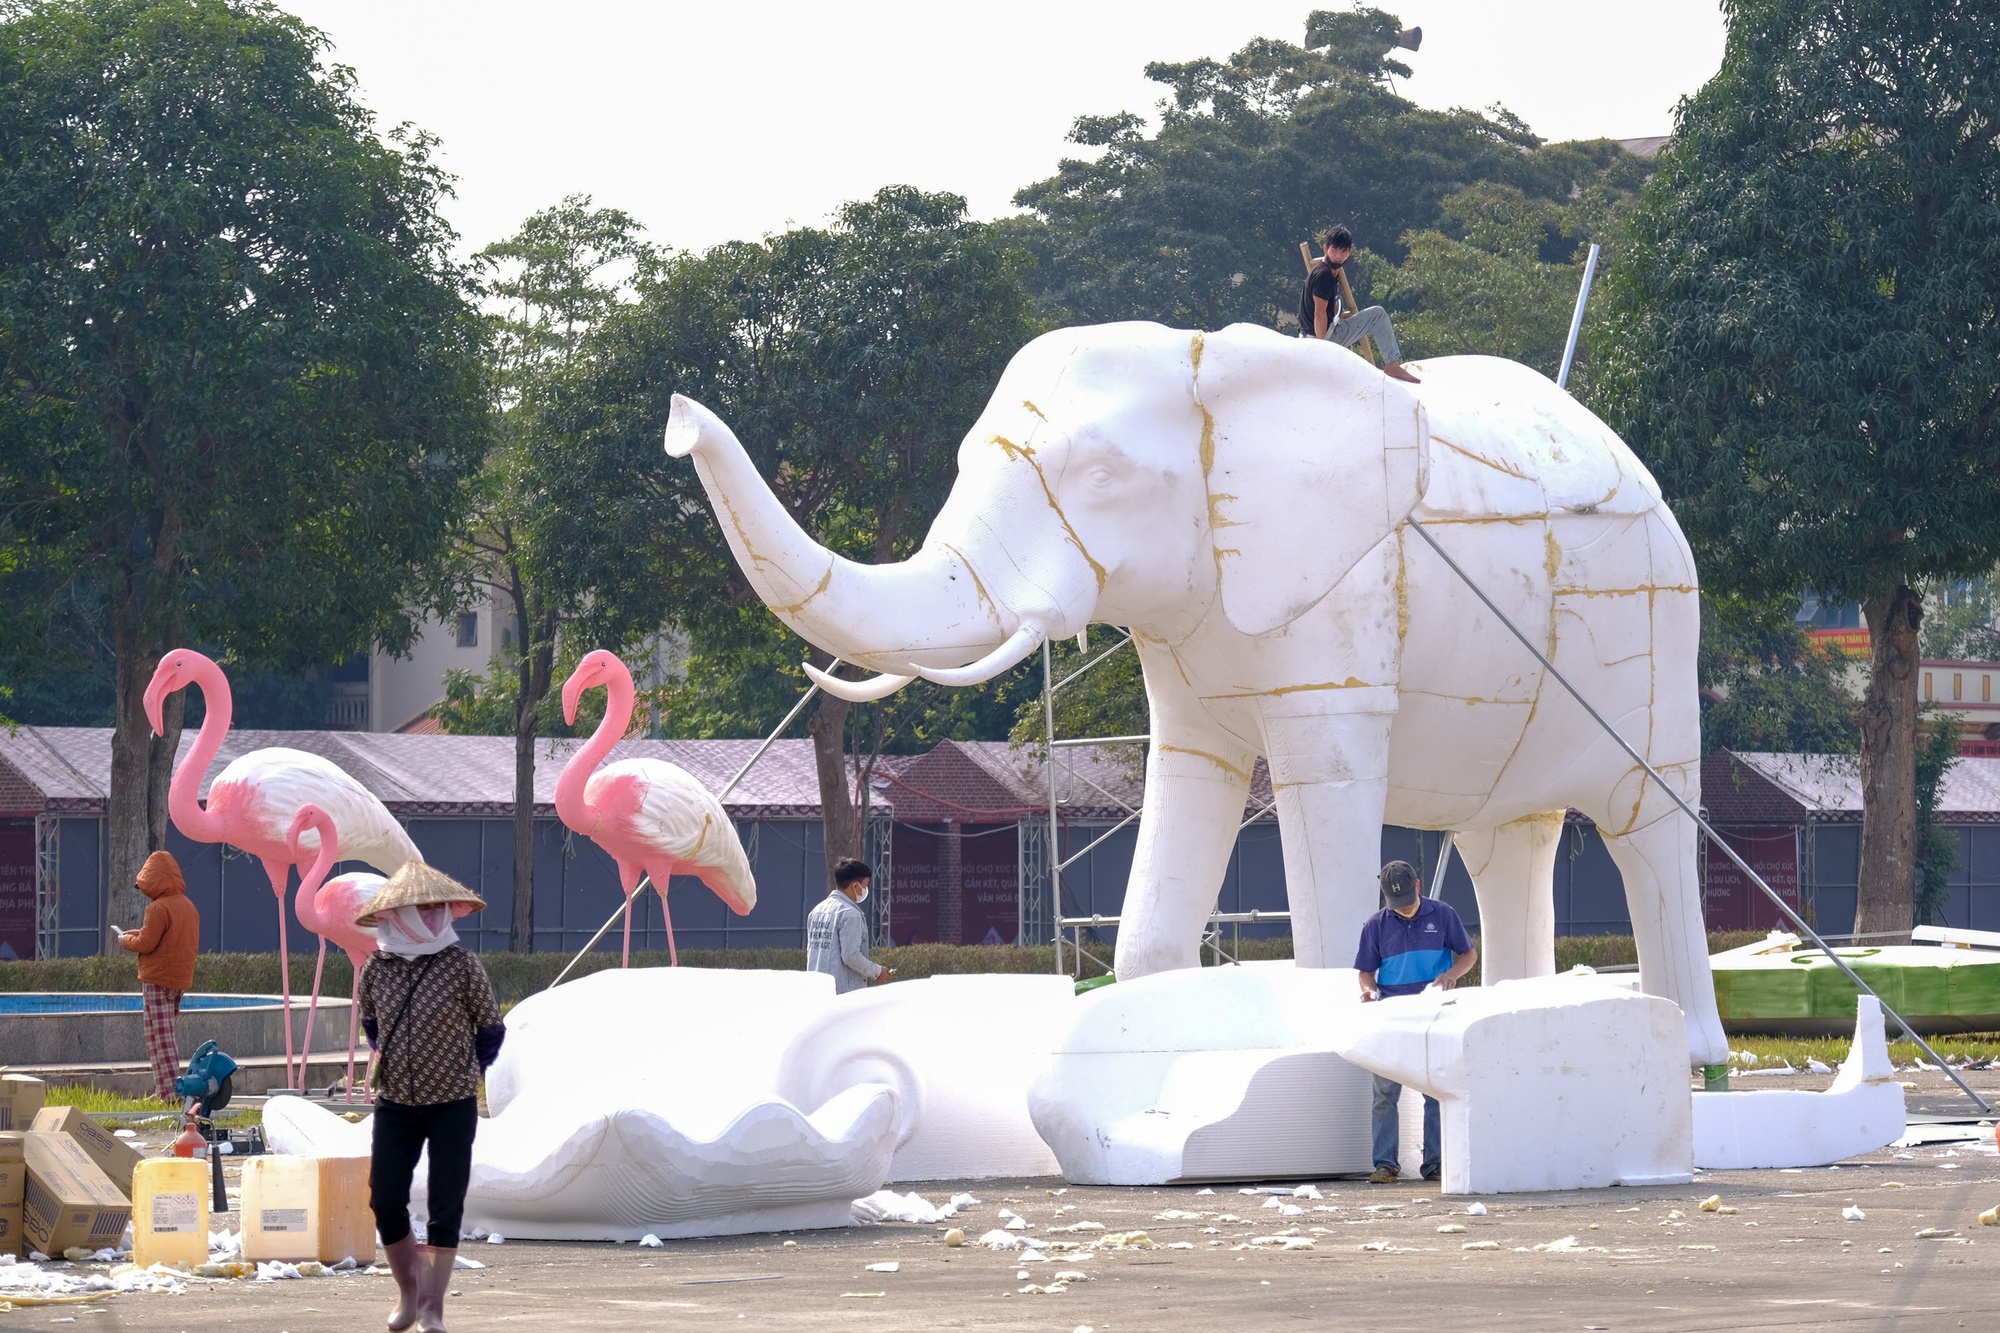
(419, 885)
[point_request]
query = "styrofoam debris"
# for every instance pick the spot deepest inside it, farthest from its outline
(1480, 1245)
(1198, 1193)
(1568, 1245)
(276, 1270)
(1712, 1203)
(1289, 1210)
(1815, 1065)
(1935, 1233)
(496, 1238)
(222, 1244)
(889, 1206)
(1018, 1224)
(1181, 1245)
(1451, 1229)
(1032, 1256)
(955, 1237)
(1307, 1192)
(462, 1262)
(963, 1201)
(999, 1240)
(1853, 1214)
(125, 1133)
(892, 1266)
(1475, 1210)
(1272, 1203)
(650, 1242)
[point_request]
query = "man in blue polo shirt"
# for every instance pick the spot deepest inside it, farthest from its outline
(1407, 947)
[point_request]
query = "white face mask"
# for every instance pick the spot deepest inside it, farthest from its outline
(862, 897)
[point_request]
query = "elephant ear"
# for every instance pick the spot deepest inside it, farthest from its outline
(1311, 457)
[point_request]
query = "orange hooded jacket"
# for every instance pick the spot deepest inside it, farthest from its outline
(170, 936)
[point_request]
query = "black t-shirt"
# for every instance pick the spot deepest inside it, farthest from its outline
(1323, 281)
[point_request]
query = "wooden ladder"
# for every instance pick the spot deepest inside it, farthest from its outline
(1366, 345)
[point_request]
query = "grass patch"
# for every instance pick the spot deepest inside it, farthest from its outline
(1796, 1051)
(91, 1098)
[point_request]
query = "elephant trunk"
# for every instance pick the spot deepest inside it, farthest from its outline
(927, 611)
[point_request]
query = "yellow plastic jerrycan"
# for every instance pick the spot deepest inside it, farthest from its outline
(297, 1208)
(170, 1211)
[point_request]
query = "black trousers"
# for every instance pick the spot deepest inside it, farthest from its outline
(400, 1135)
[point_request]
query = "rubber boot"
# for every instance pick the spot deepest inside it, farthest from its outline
(407, 1266)
(437, 1272)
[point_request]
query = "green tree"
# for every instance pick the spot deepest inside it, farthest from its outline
(1199, 223)
(553, 281)
(1483, 281)
(1805, 339)
(241, 389)
(1767, 686)
(850, 359)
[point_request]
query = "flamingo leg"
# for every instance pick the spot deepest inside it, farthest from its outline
(285, 983)
(353, 1023)
(312, 1013)
(628, 929)
(667, 913)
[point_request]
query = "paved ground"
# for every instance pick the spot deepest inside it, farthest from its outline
(1784, 1259)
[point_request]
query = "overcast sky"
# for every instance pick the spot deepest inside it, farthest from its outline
(710, 120)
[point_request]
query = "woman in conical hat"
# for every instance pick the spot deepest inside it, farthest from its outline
(429, 1013)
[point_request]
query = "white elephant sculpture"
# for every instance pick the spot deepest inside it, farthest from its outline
(1238, 500)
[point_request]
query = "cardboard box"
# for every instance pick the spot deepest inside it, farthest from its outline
(68, 1200)
(20, 1099)
(114, 1157)
(13, 1181)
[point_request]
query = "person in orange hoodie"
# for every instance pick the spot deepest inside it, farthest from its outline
(166, 943)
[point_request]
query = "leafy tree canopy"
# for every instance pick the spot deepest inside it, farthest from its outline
(239, 378)
(1199, 223)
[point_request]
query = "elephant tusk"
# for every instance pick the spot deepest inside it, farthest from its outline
(1019, 644)
(856, 691)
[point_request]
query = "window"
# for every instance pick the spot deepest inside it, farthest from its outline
(468, 630)
(1958, 685)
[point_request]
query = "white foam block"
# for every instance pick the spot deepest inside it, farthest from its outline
(1544, 1084)
(625, 1032)
(1779, 1127)
(1206, 1073)
(960, 1052)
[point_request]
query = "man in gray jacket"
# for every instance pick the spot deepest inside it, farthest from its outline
(837, 932)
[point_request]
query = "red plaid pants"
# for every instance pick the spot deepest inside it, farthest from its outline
(163, 1045)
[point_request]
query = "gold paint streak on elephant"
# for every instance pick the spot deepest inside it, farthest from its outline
(1215, 759)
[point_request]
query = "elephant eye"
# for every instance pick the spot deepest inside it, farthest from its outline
(1100, 477)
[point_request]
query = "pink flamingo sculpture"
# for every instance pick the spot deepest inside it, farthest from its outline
(251, 803)
(327, 907)
(653, 817)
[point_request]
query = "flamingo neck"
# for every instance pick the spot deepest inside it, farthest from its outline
(307, 901)
(573, 806)
(184, 793)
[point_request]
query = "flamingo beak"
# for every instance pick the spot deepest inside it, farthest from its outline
(166, 679)
(573, 689)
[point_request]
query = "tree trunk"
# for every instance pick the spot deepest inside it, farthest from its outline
(1888, 724)
(828, 728)
(141, 766)
(535, 666)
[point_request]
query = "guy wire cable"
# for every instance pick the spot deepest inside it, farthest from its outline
(1695, 815)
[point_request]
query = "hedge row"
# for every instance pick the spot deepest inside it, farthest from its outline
(517, 976)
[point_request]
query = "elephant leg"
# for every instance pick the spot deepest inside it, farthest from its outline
(1513, 873)
(1663, 894)
(1330, 772)
(1195, 790)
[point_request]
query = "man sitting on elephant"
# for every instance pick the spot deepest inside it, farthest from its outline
(1320, 307)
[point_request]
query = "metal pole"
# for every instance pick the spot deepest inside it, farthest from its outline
(1444, 864)
(722, 795)
(1576, 320)
(616, 912)
(1049, 734)
(1783, 907)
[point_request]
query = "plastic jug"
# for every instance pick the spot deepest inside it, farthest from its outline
(297, 1208)
(170, 1211)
